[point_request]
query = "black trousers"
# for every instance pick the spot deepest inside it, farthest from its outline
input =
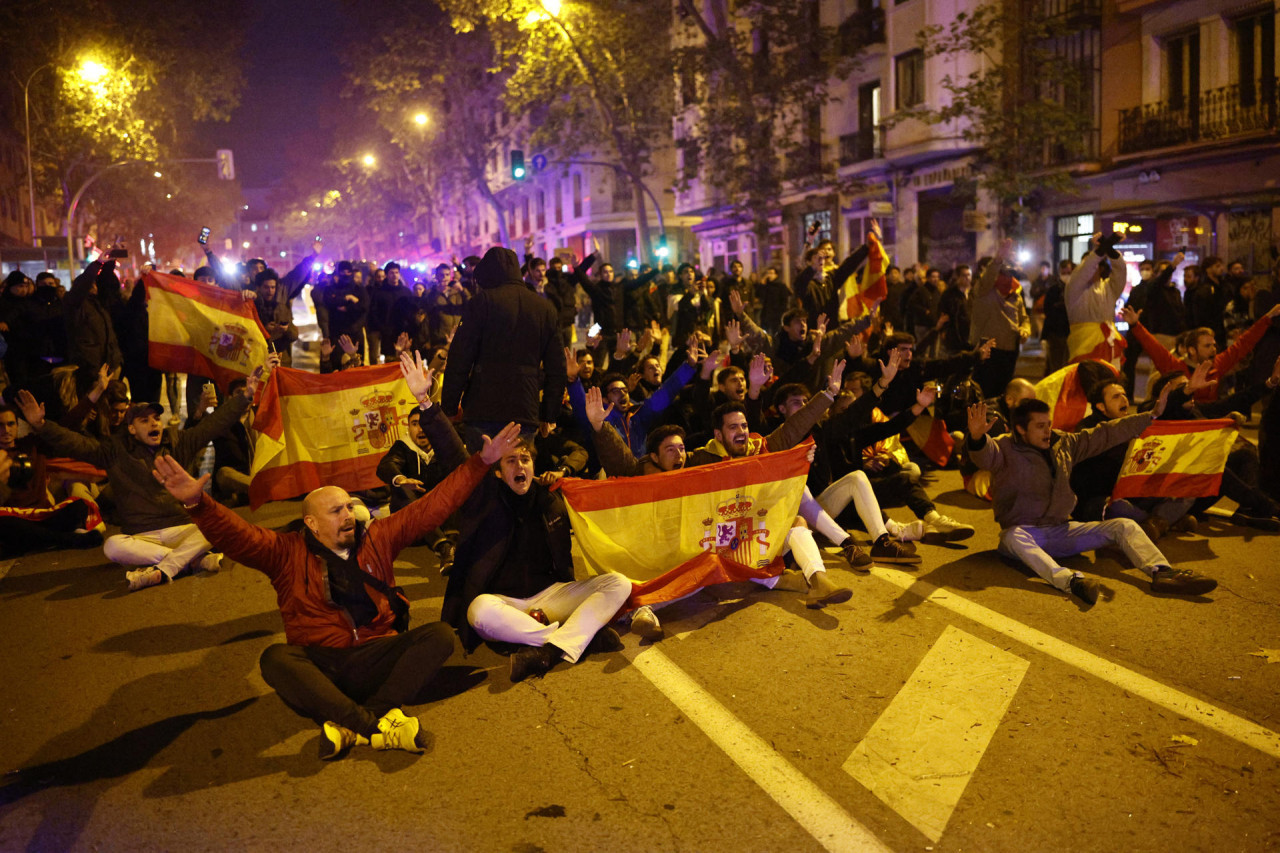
(354, 687)
(897, 490)
(996, 372)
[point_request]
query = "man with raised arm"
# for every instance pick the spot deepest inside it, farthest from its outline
(348, 661)
(1032, 498)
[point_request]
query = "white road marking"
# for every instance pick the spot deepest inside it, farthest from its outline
(1208, 715)
(821, 816)
(921, 752)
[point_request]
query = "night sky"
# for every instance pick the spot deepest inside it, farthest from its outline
(287, 109)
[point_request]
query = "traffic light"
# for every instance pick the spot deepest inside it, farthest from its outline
(518, 170)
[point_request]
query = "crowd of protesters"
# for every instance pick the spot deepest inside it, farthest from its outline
(537, 369)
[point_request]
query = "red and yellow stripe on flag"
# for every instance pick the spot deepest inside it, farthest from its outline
(931, 438)
(327, 429)
(674, 533)
(1066, 395)
(859, 293)
(201, 329)
(1176, 459)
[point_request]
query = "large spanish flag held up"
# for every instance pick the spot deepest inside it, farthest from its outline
(1067, 390)
(327, 429)
(674, 533)
(860, 293)
(201, 329)
(1176, 459)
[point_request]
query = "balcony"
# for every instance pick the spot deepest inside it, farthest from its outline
(862, 28)
(863, 145)
(1204, 117)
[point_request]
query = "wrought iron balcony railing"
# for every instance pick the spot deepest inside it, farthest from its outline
(1200, 117)
(864, 144)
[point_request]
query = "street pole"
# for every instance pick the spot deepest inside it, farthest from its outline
(662, 226)
(31, 181)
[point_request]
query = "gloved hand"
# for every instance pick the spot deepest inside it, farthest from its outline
(1106, 247)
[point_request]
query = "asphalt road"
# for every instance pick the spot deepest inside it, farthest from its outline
(962, 706)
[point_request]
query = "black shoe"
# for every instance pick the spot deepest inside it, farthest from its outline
(532, 660)
(606, 640)
(857, 558)
(886, 549)
(445, 551)
(1170, 581)
(1085, 589)
(1255, 519)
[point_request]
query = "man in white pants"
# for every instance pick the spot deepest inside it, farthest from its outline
(157, 541)
(1032, 498)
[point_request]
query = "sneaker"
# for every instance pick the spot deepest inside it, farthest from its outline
(1154, 527)
(912, 532)
(645, 623)
(1170, 581)
(606, 640)
(855, 556)
(823, 592)
(791, 581)
(941, 528)
(1255, 519)
(1085, 589)
(396, 731)
(335, 741)
(889, 550)
(1187, 524)
(144, 577)
(531, 660)
(445, 552)
(210, 562)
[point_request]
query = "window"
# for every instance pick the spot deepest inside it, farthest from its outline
(909, 74)
(1182, 70)
(542, 210)
(559, 195)
(577, 196)
(524, 217)
(690, 159)
(1256, 58)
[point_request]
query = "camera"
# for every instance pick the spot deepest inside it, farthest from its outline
(22, 472)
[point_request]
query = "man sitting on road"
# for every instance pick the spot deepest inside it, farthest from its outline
(411, 469)
(1032, 498)
(348, 661)
(156, 536)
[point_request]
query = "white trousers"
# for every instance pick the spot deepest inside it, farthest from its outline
(1038, 546)
(169, 549)
(577, 611)
(853, 488)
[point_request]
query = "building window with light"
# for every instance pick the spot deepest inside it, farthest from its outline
(908, 69)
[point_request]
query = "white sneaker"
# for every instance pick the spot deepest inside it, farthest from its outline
(396, 731)
(645, 623)
(144, 577)
(941, 528)
(912, 532)
(210, 562)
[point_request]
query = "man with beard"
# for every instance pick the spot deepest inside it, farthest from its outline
(349, 661)
(156, 535)
(276, 315)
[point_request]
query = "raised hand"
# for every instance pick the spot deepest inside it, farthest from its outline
(32, 411)
(401, 480)
(593, 341)
(252, 384)
(984, 351)
(696, 353)
(633, 379)
(501, 444)
(889, 369)
(1199, 379)
(418, 377)
(978, 424)
(760, 371)
(1158, 409)
(735, 302)
(733, 332)
(821, 326)
(1178, 259)
(571, 365)
(926, 395)
(273, 360)
(348, 345)
(596, 410)
(1133, 318)
(856, 347)
(177, 482)
(326, 347)
(404, 342)
(836, 379)
(624, 344)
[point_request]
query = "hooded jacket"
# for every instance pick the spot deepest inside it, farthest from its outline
(1032, 487)
(507, 360)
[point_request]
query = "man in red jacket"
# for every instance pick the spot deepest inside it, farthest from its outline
(348, 662)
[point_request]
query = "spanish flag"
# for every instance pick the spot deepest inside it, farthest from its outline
(1100, 341)
(327, 429)
(1176, 459)
(871, 287)
(1067, 390)
(931, 438)
(201, 329)
(674, 533)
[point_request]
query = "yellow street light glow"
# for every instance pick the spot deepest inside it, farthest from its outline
(168, 195)
(304, 213)
(159, 175)
(92, 72)
(421, 119)
(552, 7)
(369, 160)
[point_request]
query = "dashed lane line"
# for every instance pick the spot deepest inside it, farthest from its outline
(1208, 715)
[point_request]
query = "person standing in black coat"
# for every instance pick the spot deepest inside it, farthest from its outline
(91, 336)
(347, 302)
(506, 362)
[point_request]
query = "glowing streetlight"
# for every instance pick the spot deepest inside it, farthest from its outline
(369, 160)
(158, 174)
(92, 72)
(245, 244)
(421, 119)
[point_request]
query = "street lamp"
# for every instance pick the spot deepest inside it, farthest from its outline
(92, 72)
(421, 119)
(369, 160)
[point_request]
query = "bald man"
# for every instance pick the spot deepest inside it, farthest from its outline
(349, 661)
